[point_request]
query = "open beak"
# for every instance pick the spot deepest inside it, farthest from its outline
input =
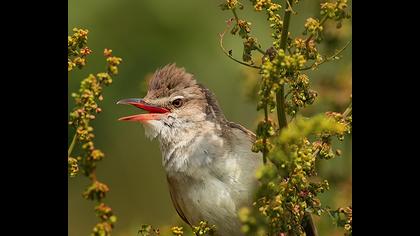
(155, 112)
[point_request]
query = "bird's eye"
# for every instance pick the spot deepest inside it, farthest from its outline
(177, 102)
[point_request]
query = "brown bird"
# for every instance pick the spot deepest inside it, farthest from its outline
(208, 160)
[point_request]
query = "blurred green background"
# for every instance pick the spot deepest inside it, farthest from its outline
(150, 34)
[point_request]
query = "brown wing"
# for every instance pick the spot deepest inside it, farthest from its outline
(175, 201)
(243, 129)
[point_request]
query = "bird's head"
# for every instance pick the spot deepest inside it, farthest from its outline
(174, 102)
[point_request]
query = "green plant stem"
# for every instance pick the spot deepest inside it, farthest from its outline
(286, 23)
(73, 142)
(235, 15)
(237, 23)
(281, 111)
(332, 57)
(265, 152)
(221, 35)
(280, 99)
(260, 50)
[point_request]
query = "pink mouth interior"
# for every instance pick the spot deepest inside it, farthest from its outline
(155, 113)
(142, 117)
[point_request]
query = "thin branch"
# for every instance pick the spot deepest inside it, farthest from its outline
(348, 111)
(73, 142)
(237, 23)
(289, 5)
(260, 50)
(332, 57)
(235, 15)
(321, 23)
(221, 35)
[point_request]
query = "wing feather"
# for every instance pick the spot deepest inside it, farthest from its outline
(172, 193)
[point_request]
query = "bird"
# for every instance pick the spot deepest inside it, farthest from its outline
(210, 168)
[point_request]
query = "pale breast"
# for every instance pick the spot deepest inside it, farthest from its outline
(209, 200)
(215, 193)
(211, 178)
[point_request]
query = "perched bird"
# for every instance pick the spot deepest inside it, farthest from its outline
(208, 160)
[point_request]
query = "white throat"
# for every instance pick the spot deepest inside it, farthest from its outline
(184, 145)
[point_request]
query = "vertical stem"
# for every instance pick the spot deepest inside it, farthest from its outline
(265, 151)
(281, 113)
(286, 22)
(280, 99)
